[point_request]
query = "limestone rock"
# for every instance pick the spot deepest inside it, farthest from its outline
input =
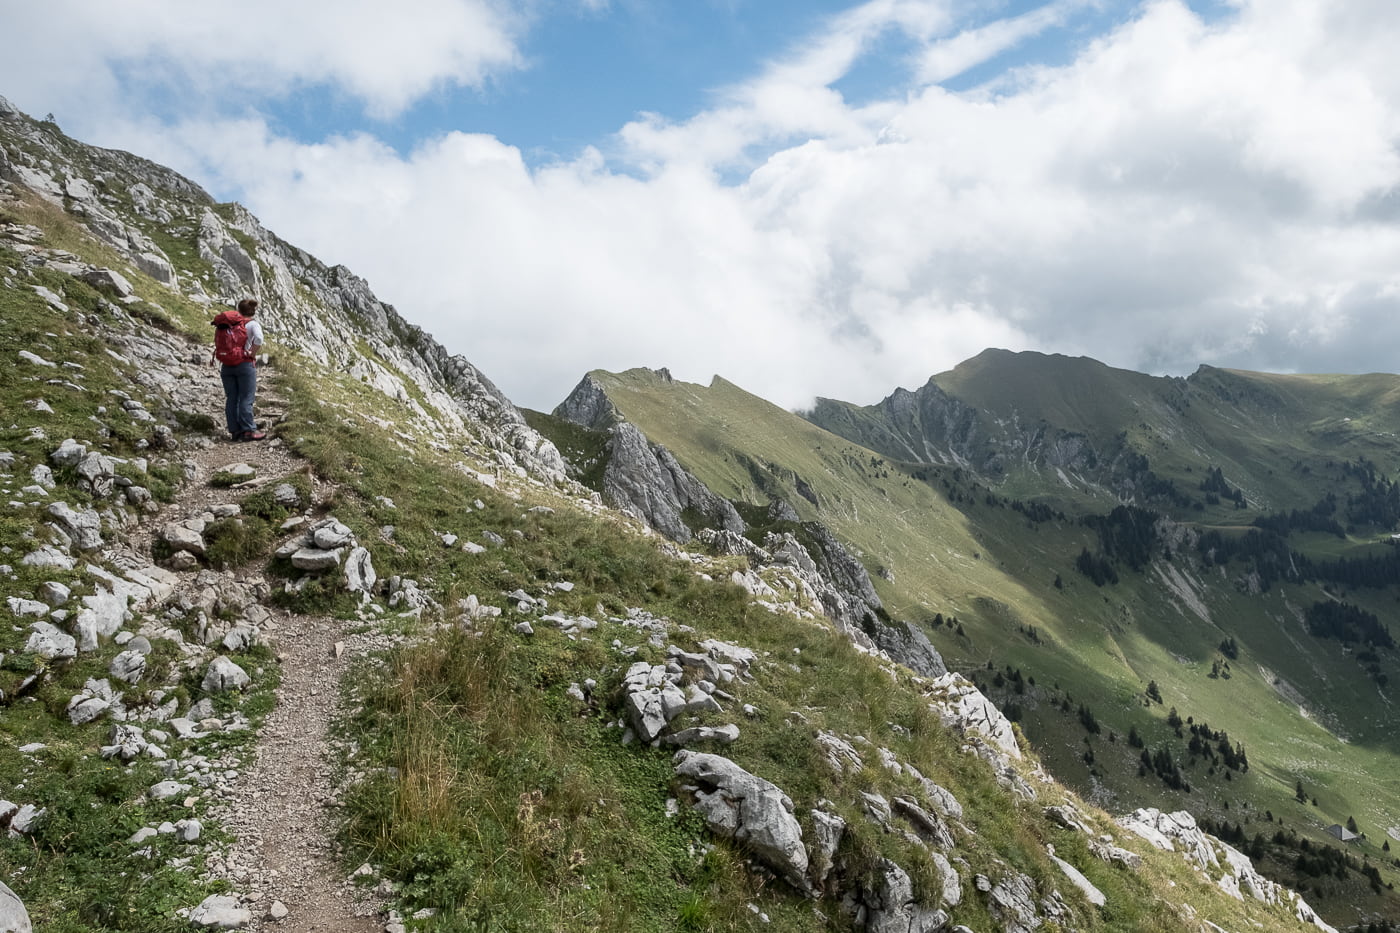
(725, 735)
(181, 536)
(1011, 902)
(359, 571)
(128, 666)
(13, 917)
(54, 594)
(83, 528)
(224, 675)
(741, 806)
(331, 534)
(48, 556)
(891, 907)
(109, 278)
(98, 473)
(22, 607)
(49, 643)
(962, 706)
(1076, 877)
(68, 454)
(221, 912)
(84, 709)
(315, 559)
(827, 830)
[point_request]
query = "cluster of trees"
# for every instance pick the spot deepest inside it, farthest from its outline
(1265, 550)
(1126, 535)
(1165, 767)
(1013, 677)
(1096, 567)
(1377, 503)
(1148, 485)
(1373, 570)
(951, 621)
(1216, 488)
(1347, 623)
(1318, 518)
(1037, 512)
(1215, 747)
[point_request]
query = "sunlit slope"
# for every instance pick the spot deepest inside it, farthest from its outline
(1303, 708)
(750, 450)
(984, 567)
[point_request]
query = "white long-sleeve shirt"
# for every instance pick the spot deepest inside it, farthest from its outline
(255, 337)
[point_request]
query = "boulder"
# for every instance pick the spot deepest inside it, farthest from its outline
(54, 593)
(109, 278)
(359, 571)
(221, 912)
(926, 825)
(741, 806)
(331, 534)
(890, 904)
(13, 917)
(224, 675)
(21, 607)
(26, 819)
(49, 643)
(98, 473)
(315, 559)
(83, 528)
(1076, 877)
(48, 556)
(725, 735)
(129, 666)
(181, 537)
(827, 830)
(84, 709)
(68, 454)
(1011, 902)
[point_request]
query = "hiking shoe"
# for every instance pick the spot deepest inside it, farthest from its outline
(253, 436)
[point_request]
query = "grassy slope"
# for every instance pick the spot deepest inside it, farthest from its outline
(992, 568)
(489, 752)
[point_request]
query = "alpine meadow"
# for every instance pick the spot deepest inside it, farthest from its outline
(1039, 645)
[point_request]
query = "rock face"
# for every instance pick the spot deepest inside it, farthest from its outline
(740, 806)
(961, 705)
(307, 305)
(588, 404)
(1178, 832)
(834, 581)
(891, 908)
(645, 481)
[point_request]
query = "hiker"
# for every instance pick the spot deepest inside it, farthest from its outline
(237, 339)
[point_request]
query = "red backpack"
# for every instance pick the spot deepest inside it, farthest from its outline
(230, 338)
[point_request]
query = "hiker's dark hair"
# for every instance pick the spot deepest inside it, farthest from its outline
(247, 307)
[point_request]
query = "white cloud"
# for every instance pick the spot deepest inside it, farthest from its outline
(229, 55)
(1182, 192)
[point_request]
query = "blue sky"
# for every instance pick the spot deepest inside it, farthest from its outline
(819, 198)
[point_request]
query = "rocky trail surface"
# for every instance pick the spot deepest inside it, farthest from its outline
(283, 862)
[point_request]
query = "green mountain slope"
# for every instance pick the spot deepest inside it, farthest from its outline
(491, 762)
(971, 502)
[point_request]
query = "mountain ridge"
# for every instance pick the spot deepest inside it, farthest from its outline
(508, 751)
(1202, 456)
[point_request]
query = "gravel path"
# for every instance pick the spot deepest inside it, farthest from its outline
(283, 862)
